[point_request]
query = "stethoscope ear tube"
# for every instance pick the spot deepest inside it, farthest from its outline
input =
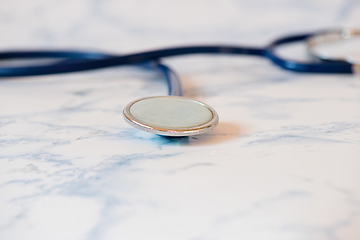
(330, 39)
(321, 67)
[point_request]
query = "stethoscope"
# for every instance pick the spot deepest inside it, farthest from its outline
(174, 115)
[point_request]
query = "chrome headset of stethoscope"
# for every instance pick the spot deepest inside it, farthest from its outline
(175, 115)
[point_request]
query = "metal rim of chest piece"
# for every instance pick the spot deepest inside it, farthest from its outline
(170, 113)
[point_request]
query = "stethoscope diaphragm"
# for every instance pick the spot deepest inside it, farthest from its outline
(171, 116)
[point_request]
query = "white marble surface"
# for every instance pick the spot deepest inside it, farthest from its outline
(284, 162)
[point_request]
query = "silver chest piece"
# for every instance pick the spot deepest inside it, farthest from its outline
(171, 116)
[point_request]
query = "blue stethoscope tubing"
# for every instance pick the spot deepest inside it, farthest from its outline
(75, 61)
(72, 57)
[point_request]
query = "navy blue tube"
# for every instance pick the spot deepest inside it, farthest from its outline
(82, 61)
(173, 81)
(75, 57)
(109, 61)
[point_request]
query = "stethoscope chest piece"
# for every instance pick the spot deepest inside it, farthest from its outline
(171, 116)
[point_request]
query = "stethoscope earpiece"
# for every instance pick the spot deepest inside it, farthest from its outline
(171, 116)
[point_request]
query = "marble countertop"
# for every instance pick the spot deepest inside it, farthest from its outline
(283, 163)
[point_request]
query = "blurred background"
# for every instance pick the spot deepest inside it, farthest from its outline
(134, 25)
